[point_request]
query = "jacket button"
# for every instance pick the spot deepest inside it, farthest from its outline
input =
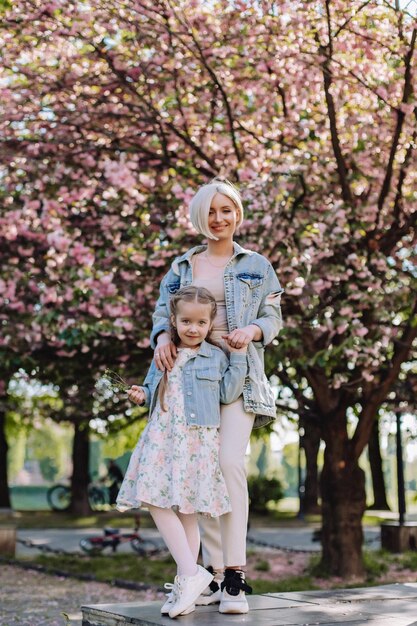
(192, 414)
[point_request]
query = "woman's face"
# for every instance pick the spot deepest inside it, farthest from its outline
(223, 217)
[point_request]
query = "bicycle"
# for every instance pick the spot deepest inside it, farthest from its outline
(113, 537)
(59, 497)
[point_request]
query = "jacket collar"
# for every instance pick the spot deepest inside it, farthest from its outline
(205, 349)
(238, 250)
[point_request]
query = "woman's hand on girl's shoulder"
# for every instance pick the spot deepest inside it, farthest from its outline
(136, 394)
(165, 352)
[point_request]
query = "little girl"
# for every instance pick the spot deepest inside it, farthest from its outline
(174, 469)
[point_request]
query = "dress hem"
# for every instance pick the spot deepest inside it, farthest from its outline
(178, 508)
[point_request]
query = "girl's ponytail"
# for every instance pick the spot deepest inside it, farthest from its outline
(162, 389)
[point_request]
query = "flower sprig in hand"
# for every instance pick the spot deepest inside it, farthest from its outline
(111, 381)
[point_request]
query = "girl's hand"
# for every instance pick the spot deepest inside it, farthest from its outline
(241, 350)
(165, 352)
(136, 394)
(241, 337)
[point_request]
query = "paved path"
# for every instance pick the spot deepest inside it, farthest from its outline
(29, 598)
(68, 540)
(300, 538)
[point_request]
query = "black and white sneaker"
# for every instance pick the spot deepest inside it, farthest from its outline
(233, 588)
(212, 593)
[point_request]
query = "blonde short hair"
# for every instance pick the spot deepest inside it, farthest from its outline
(201, 203)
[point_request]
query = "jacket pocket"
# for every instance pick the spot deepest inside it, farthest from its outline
(208, 374)
(174, 286)
(251, 279)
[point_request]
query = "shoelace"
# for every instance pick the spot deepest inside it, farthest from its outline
(171, 588)
(235, 583)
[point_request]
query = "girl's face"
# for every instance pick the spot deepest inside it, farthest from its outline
(223, 217)
(192, 322)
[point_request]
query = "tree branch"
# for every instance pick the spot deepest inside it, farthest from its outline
(326, 52)
(371, 401)
(407, 91)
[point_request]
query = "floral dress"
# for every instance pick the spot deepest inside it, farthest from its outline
(173, 464)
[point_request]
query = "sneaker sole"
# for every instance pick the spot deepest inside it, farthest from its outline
(235, 609)
(186, 612)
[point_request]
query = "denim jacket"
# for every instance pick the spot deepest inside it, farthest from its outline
(252, 295)
(209, 378)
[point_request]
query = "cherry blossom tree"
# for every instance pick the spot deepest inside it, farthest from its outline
(115, 111)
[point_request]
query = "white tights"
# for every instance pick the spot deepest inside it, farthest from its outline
(181, 535)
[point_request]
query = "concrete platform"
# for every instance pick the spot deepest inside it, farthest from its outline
(386, 605)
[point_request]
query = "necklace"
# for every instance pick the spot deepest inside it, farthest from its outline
(206, 256)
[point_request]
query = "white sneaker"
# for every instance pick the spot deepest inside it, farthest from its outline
(233, 588)
(170, 601)
(187, 589)
(211, 594)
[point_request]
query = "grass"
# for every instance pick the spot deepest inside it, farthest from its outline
(409, 561)
(152, 571)
(377, 564)
(262, 566)
(159, 569)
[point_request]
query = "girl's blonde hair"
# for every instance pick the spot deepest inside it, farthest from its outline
(201, 203)
(201, 295)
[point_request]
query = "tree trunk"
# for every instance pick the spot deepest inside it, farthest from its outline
(311, 445)
(343, 505)
(375, 460)
(4, 486)
(80, 474)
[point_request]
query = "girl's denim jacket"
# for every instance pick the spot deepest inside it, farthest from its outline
(209, 378)
(252, 295)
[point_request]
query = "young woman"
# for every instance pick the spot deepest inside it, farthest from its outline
(174, 469)
(247, 293)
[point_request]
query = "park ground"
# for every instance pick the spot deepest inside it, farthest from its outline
(52, 594)
(32, 598)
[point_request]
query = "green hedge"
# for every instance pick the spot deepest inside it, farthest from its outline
(263, 490)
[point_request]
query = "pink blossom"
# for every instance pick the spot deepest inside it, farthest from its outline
(59, 241)
(361, 331)
(293, 291)
(367, 376)
(342, 328)
(318, 285)
(138, 258)
(93, 310)
(408, 109)
(66, 353)
(146, 180)
(157, 263)
(144, 343)
(119, 174)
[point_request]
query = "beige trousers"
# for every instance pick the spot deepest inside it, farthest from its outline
(224, 538)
